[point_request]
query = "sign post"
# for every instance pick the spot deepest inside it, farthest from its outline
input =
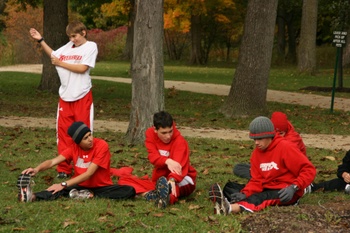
(339, 40)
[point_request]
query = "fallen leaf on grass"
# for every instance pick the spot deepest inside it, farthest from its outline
(331, 158)
(194, 207)
(158, 214)
(103, 219)
(68, 223)
(206, 171)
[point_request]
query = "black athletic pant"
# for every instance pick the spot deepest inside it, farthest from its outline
(336, 184)
(111, 192)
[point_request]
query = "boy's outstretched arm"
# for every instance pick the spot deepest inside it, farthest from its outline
(37, 36)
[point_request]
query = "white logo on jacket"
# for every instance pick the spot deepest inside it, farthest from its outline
(268, 166)
(164, 153)
(80, 163)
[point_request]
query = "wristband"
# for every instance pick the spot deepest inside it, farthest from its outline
(39, 41)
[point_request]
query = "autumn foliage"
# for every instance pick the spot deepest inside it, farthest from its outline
(18, 47)
(110, 43)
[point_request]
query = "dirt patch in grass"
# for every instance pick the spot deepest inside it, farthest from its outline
(329, 217)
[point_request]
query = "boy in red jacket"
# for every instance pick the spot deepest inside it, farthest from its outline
(91, 158)
(168, 151)
(280, 173)
(284, 128)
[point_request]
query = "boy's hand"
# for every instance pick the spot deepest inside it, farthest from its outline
(35, 34)
(174, 166)
(55, 188)
(286, 194)
(30, 171)
(54, 60)
(173, 187)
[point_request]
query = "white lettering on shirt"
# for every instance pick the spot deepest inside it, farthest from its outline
(268, 166)
(164, 153)
(80, 163)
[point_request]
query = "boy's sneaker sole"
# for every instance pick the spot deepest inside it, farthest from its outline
(151, 195)
(23, 184)
(162, 190)
(221, 206)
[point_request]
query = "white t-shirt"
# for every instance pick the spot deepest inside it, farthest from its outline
(75, 86)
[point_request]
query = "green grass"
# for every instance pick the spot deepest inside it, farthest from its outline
(284, 79)
(213, 159)
(20, 97)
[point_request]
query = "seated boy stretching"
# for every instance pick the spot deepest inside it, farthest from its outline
(341, 183)
(280, 173)
(284, 128)
(168, 151)
(91, 158)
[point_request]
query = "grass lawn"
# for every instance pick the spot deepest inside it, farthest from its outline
(20, 97)
(284, 79)
(213, 159)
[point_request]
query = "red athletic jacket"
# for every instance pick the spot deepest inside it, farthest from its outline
(294, 137)
(279, 166)
(159, 152)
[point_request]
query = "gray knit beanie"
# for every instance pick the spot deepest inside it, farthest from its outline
(261, 127)
(77, 131)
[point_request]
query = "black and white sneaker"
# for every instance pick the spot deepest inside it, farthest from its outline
(162, 191)
(221, 204)
(308, 189)
(347, 189)
(81, 194)
(24, 185)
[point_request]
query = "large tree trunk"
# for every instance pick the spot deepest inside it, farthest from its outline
(127, 52)
(281, 34)
(55, 23)
(292, 48)
(146, 68)
(248, 91)
(307, 44)
(196, 40)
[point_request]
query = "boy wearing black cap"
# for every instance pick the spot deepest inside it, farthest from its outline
(91, 159)
(280, 173)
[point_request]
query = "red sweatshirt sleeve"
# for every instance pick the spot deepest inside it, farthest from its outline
(180, 153)
(153, 151)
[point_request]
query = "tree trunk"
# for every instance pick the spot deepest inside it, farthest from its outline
(196, 40)
(307, 44)
(281, 34)
(55, 23)
(292, 48)
(127, 52)
(248, 91)
(146, 68)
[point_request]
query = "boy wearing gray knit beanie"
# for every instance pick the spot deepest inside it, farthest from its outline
(279, 174)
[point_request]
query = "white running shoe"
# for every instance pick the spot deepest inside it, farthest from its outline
(81, 194)
(24, 185)
(221, 204)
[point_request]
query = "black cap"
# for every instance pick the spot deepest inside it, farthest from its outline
(77, 131)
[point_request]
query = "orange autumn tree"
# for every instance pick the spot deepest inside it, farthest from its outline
(177, 25)
(200, 25)
(189, 25)
(19, 46)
